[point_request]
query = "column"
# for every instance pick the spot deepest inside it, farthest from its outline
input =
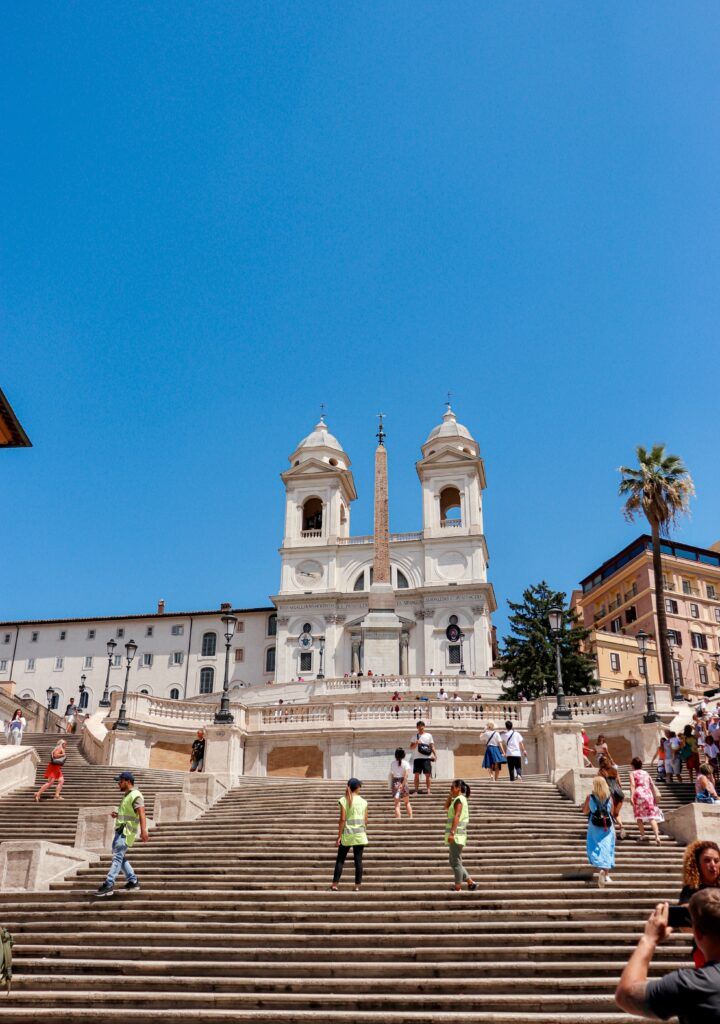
(404, 641)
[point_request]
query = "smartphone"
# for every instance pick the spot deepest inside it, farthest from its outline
(679, 917)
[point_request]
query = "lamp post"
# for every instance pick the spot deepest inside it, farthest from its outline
(130, 649)
(321, 641)
(105, 701)
(50, 694)
(82, 688)
(650, 715)
(555, 617)
(461, 670)
(676, 692)
(223, 716)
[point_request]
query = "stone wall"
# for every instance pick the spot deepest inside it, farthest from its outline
(301, 762)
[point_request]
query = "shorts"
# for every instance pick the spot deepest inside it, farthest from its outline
(422, 766)
(399, 789)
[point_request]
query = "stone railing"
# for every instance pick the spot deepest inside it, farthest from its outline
(395, 538)
(609, 704)
(387, 712)
(293, 714)
(338, 685)
(498, 712)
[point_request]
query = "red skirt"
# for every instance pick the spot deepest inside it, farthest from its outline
(54, 773)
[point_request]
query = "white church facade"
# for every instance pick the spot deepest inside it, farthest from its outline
(331, 617)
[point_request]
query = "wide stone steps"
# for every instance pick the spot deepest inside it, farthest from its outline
(234, 920)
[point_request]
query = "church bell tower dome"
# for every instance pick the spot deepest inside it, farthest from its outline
(450, 432)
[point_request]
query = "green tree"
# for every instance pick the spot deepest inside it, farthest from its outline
(527, 656)
(659, 488)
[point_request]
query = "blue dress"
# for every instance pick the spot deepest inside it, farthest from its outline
(493, 754)
(600, 841)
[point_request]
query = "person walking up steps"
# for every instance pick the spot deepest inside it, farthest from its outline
(600, 830)
(456, 826)
(515, 751)
(424, 756)
(54, 772)
(399, 771)
(352, 832)
(129, 820)
(645, 798)
(494, 757)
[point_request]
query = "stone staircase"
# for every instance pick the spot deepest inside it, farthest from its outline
(86, 785)
(235, 920)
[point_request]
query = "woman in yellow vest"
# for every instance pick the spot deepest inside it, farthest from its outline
(352, 832)
(458, 816)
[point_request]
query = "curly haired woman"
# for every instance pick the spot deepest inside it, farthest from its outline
(701, 870)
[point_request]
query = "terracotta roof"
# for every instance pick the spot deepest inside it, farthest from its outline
(12, 434)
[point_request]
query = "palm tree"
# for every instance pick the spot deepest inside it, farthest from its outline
(660, 489)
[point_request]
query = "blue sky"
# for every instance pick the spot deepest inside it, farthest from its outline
(217, 216)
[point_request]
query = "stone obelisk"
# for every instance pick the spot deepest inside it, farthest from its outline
(381, 626)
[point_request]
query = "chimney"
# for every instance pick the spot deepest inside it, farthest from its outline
(226, 606)
(161, 607)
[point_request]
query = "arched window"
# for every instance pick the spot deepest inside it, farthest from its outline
(402, 581)
(312, 515)
(174, 693)
(84, 700)
(207, 680)
(55, 701)
(272, 625)
(146, 692)
(209, 646)
(450, 511)
(270, 659)
(360, 582)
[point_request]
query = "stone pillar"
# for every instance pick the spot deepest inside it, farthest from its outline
(560, 745)
(128, 749)
(693, 821)
(645, 740)
(223, 750)
(404, 642)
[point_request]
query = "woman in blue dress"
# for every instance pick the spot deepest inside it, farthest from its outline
(494, 754)
(601, 830)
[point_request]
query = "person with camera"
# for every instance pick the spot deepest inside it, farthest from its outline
(425, 754)
(600, 830)
(690, 994)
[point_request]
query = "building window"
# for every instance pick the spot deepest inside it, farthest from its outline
(677, 672)
(615, 662)
(616, 625)
(694, 611)
(699, 641)
(711, 591)
(178, 657)
(146, 693)
(59, 664)
(149, 631)
(717, 614)
(30, 667)
(3, 665)
(207, 680)
(312, 516)
(677, 636)
(402, 581)
(671, 606)
(642, 667)
(177, 630)
(239, 654)
(88, 661)
(84, 700)
(174, 693)
(453, 620)
(54, 702)
(703, 674)
(306, 661)
(6, 638)
(120, 632)
(272, 625)
(62, 634)
(117, 660)
(270, 659)
(450, 508)
(240, 627)
(147, 660)
(630, 614)
(34, 637)
(209, 645)
(91, 634)
(359, 582)
(453, 654)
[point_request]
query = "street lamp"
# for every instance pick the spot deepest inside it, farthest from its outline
(105, 702)
(676, 691)
(461, 670)
(650, 715)
(555, 617)
(223, 716)
(82, 688)
(50, 694)
(130, 649)
(321, 641)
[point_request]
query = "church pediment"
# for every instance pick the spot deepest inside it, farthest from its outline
(313, 469)
(448, 456)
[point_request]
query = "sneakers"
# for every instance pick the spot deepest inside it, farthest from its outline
(472, 886)
(106, 889)
(131, 886)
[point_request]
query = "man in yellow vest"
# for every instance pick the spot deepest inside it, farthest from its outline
(129, 820)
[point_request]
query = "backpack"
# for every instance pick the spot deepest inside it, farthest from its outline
(600, 816)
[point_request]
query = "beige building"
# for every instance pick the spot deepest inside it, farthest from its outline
(617, 600)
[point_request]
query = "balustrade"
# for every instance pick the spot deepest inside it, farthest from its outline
(292, 714)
